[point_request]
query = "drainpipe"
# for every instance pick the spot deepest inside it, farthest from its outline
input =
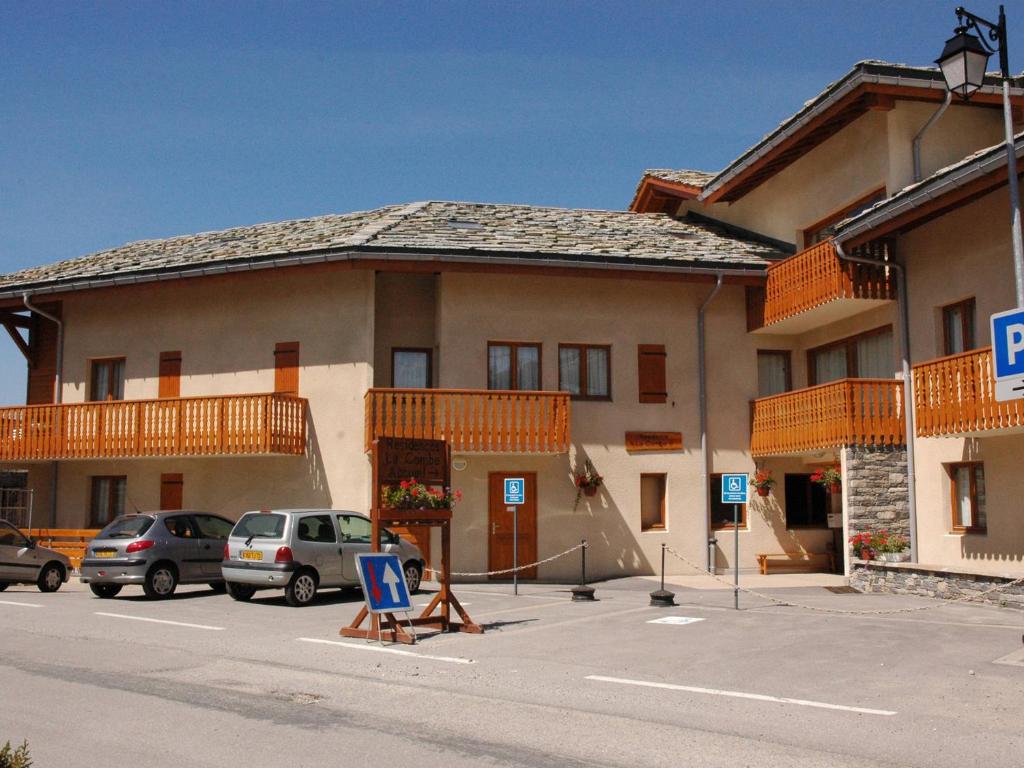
(916, 144)
(908, 391)
(703, 397)
(58, 393)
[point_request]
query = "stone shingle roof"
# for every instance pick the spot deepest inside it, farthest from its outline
(685, 176)
(485, 231)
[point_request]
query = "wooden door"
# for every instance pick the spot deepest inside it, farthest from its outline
(171, 491)
(500, 529)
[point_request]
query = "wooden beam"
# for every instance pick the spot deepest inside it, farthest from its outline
(18, 340)
(19, 321)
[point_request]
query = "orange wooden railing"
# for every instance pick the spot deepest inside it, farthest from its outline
(816, 276)
(867, 412)
(69, 541)
(498, 421)
(955, 395)
(180, 426)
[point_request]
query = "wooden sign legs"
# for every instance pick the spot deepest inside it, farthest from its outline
(392, 629)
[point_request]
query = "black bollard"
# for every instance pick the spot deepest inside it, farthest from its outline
(662, 598)
(581, 591)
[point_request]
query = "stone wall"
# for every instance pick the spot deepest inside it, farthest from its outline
(945, 583)
(875, 490)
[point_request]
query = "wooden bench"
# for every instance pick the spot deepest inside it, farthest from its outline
(798, 560)
(68, 541)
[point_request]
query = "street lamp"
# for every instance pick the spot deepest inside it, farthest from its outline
(963, 63)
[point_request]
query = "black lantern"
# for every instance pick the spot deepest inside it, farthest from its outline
(963, 62)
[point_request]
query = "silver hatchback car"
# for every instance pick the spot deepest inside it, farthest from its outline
(157, 550)
(303, 550)
(22, 561)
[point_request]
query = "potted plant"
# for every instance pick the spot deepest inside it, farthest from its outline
(891, 548)
(763, 482)
(862, 545)
(411, 494)
(587, 482)
(830, 477)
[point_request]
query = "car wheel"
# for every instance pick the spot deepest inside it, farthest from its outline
(161, 581)
(106, 591)
(301, 589)
(218, 587)
(51, 577)
(413, 576)
(241, 592)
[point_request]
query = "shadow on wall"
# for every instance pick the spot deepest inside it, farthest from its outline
(980, 548)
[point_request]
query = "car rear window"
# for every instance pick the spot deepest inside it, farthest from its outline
(260, 525)
(127, 527)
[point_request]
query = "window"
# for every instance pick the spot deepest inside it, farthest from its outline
(650, 368)
(107, 379)
(958, 327)
(180, 527)
(108, 495)
(513, 365)
(652, 502)
(806, 502)
(864, 356)
(410, 368)
(260, 525)
(286, 368)
(967, 483)
(170, 374)
(774, 372)
(825, 228)
(11, 536)
(354, 529)
(722, 515)
(318, 528)
(584, 371)
(212, 527)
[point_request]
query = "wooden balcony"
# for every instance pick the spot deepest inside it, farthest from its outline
(814, 287)
(227, 425)
(863, 412)
(955, 396)
(472, 420)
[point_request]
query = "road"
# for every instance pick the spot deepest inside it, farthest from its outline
(200, 680)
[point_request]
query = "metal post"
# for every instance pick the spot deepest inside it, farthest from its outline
(1011, 159)
(662, 598)
(515, 550)
(736, 555)
(582, 591)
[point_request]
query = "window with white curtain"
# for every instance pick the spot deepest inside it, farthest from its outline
(584, 370)
(410, 368)
(968, 497)
(773, 372)
(513, 365)
(864, 356)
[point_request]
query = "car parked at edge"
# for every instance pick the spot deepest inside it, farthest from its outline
(158, 551)
(22, 561)
(304, 550)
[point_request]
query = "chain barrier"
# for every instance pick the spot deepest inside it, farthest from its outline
(790, 603)
(512, 570)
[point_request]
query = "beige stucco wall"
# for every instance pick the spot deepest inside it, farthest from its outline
(226, 330)
(405, 306)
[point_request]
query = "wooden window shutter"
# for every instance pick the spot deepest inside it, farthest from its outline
(286, 368)
(171, 491)
(170, 374)
(755, 296)
(651, 369)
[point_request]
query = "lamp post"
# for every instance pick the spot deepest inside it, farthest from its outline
(963, 63)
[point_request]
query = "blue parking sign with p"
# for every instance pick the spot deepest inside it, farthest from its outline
(734, 489)
(1008, 343)
(515, 491)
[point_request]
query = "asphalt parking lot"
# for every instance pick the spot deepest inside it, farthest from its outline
(550, 683)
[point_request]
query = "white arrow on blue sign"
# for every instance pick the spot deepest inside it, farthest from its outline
(1008, 354)
(515, 491)
(384, 587)
(734, 489)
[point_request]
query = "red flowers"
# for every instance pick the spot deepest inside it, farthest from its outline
(412, 494)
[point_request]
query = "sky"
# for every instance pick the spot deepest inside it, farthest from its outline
(125, 121)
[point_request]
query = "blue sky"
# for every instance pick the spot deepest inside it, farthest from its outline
(123, 121)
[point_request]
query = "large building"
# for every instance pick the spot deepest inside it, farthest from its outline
(728, 322)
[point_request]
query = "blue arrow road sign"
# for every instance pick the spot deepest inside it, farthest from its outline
(515, 491)
(734, 489)
(384, 585)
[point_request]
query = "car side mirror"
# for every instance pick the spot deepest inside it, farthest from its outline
(31, 544)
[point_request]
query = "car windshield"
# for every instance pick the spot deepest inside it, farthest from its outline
(127, 527)
(259, 525)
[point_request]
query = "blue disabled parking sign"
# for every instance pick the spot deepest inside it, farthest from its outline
(383, 583)
(515, 491)
(734, 489)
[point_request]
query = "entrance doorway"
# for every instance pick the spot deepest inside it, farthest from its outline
(499, 521)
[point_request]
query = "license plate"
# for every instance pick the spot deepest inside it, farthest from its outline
(105, 553)
(249, 554)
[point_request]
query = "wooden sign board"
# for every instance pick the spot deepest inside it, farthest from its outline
(639, 442)
(401, 458)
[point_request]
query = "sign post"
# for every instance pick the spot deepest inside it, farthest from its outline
(515, 494)
(734, 491)
(1008, 354)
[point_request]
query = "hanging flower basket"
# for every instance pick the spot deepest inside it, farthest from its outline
(763, 482)
(830, 477)
(587, 482)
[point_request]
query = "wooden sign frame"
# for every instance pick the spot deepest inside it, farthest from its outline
(429, 462)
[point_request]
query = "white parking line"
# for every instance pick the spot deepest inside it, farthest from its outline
(23, 605)
(381, 649)
(157, 621)
(741, 695)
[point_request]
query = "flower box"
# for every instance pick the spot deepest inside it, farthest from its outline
(397, 516)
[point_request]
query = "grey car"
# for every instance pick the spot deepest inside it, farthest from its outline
(303, 550)
(22, 561)
(158, 551)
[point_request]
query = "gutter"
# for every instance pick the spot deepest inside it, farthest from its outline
(703, 399)
(908, 389)
(916, 143)
(58, 383)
